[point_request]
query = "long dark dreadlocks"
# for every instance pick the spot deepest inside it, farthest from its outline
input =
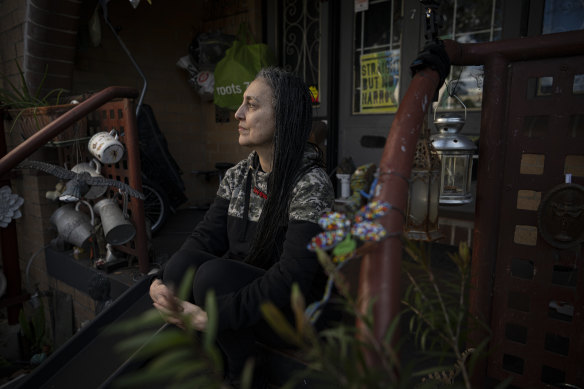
(293, 114)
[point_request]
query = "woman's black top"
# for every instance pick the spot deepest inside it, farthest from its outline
(229, 227)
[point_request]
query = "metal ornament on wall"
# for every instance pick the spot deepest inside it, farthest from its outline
(93, 167)
(9, 204)
(79, 182)
(301, 39)
(560, 216)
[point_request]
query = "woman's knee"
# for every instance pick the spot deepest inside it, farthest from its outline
(223, 276)
(179, 264)
(206, 278)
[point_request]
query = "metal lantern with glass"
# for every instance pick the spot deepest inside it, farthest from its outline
(456, 153)
(422, 211)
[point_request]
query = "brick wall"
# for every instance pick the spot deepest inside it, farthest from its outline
(50, 42)
(12, 13)
(42, 36)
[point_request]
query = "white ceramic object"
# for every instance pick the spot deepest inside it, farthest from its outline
(106, 147)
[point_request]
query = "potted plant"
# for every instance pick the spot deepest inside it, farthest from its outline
(28, 111)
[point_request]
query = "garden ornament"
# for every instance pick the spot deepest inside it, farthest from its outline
(94, 169)
(74, 226)
(79, 183)
(106, 147)
(54, 195)
(116, 226)
(9, 204)
(338, 237)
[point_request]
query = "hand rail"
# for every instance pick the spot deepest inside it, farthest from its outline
(48, 132)
(14, 157)
(380, 274)
(380, 269)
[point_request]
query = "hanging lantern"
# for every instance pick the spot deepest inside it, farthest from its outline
(422, 208)
(455, 151)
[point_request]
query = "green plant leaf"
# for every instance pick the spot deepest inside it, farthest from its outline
(37, 92)
(133, 343)
(477, 354)
(278, 322)
(149, 345)
(45, 99)
(143, 378)
(210, 333)
(38, 326)
(174, 357)
(391, 330)
(247, 374)
(9, 98)
(25, 91)
(25, 326)
(150, 318)
(298, 307)
(325, 261)
(215, 357)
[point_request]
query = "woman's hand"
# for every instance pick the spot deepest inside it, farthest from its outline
(174, 310)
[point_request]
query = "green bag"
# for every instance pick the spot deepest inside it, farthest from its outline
(238, 68)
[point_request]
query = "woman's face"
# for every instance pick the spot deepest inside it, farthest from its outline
(257, 122)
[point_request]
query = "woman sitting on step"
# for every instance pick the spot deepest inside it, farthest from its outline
(251, 245)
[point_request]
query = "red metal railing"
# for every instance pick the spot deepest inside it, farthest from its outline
(36, 141)
(380, 269)
(29, 146)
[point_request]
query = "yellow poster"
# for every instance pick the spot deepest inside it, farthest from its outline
(379, 82)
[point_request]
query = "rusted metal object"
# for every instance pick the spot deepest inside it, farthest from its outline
(20, 152)
(489, 187)
(118, 115)
(536, 298)
(25, 149)
(135, 181)
(496, 57)
(380, 270)
(519, 49)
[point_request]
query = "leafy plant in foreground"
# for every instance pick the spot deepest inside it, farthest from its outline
(173, 357)
(439, 320)
(438, 308)
(336, 357)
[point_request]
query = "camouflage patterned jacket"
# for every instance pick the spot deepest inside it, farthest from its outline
(227, 232)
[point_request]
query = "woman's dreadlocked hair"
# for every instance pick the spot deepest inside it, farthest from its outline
(293, 114)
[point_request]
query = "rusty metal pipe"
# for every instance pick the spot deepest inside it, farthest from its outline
(381, 269)
(489, 188)
(520, 49)
(48, 132)
(8, 236)
(135, 181)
